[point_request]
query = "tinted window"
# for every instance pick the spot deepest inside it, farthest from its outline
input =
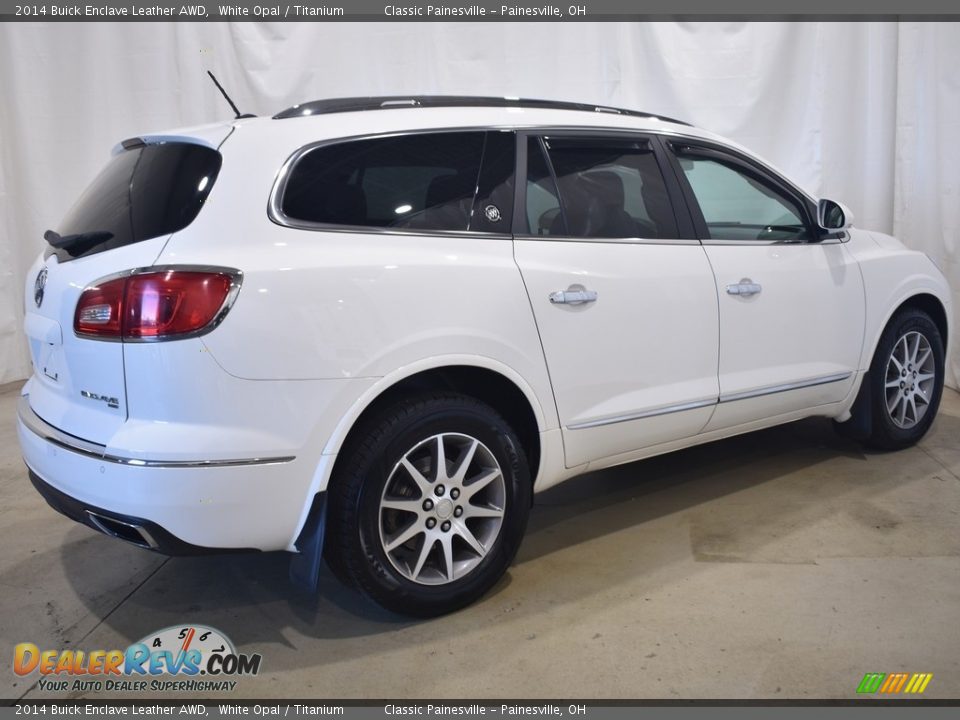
(544, 216)
(422, 181)
(142, 193)
(493, 208)
(738, 204)
(611, 188)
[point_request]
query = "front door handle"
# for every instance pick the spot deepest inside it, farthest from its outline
(744, 288)
(573, 296)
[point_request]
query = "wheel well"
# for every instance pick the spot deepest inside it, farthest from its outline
(485, 385)
(932, 307)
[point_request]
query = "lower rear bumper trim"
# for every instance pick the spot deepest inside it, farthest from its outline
(41, 428)
(104, 521)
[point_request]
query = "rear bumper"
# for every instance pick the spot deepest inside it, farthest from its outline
(138, 531)
(182, 507)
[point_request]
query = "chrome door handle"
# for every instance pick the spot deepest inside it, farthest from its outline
(573, 296)
(745, 288)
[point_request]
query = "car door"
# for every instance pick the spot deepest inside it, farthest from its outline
(791, 304)
(623, 295)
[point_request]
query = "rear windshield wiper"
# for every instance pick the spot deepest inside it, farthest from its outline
(64, 242)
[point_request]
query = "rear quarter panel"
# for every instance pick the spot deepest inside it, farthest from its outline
(340, 305)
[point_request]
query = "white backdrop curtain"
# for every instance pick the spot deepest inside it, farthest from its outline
(867, 113)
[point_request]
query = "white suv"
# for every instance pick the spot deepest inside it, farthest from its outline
(370, 329)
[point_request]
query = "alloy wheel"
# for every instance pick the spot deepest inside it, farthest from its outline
(442, 509)
(910, 379)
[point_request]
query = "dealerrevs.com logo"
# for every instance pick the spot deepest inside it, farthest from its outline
(186, 658)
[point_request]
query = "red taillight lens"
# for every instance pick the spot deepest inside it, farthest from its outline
(172, 303)
(152, 305)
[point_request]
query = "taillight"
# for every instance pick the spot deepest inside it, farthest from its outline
(98, 312)
(172, 303)
(153, 305)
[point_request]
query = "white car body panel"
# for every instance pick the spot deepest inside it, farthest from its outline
(626, 372)
(893, 274)
(327, 321)
(65, 365)
(773, 340)
(199, 505)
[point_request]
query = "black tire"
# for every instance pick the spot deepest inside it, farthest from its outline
(353, 546)
(885, 433)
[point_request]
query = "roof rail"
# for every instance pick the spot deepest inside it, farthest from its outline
(393, 102)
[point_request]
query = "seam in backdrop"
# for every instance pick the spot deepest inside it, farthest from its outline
(867, 113)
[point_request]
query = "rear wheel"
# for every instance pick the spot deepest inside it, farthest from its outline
(430, 504)
(906, 381)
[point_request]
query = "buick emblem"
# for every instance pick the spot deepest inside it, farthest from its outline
(492, 212)
(38, 286)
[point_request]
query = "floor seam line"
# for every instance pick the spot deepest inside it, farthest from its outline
(125, 598)
(939, 462)
(105, 617)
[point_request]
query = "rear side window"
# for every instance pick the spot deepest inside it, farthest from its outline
(420, 182)
(144, 192)
(610, 188)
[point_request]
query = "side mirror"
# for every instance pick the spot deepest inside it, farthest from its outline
(832, 215)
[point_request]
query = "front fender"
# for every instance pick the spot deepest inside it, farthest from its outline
(892, 275)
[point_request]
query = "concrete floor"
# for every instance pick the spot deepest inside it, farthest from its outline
(783, 564)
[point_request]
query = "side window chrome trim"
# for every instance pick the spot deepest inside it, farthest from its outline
(277, 216)
(826, 241)
(617, 241)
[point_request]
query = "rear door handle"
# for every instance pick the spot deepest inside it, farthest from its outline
(746, 287)
(573, 296)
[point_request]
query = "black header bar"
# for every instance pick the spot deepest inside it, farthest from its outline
(519, 10)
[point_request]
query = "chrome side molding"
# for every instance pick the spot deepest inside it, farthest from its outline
(654, 412)
(706, 402)
(786, 387)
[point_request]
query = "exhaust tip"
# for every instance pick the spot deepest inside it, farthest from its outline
(129, 532)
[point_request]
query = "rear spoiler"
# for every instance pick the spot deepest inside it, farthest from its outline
(211, 136)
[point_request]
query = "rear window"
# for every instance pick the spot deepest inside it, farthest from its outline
(142, 193)
(423, 181)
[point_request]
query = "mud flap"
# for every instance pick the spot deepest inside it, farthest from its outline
(860, 424)
(305, 565)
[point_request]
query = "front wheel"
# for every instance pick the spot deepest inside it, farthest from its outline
(430, 504)
(906, 381)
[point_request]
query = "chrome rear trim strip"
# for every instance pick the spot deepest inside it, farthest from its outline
(39, 427)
